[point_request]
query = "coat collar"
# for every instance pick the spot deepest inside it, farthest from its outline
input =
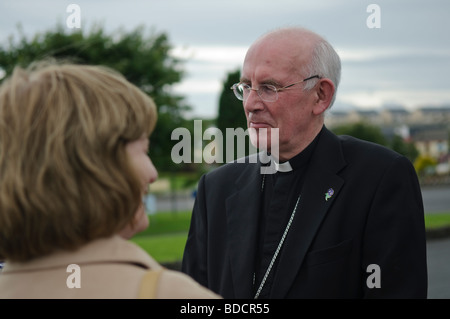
(106, 250)
(321, 179)
(242, 209)
(243, 212)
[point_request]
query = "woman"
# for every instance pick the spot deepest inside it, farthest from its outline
(74, 168)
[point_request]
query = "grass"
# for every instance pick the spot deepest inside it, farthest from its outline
(437, 220)
(167, 223)
(166, 236)
(163, 248)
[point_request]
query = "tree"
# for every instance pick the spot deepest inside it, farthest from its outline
(143, 60)
(407, 149)
(231, 112)
(374, 134)
(424, 164)
(362, 131)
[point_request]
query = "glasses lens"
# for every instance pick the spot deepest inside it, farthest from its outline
(238, 90)
(267, 92)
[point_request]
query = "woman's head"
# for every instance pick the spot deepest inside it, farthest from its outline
(66, 177)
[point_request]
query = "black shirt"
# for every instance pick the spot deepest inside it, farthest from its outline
(279, 196)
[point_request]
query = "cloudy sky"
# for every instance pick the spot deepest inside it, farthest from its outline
(405, 62)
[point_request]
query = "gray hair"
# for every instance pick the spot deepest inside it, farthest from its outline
(326, 63)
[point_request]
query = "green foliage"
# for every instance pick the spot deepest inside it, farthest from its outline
(407, 149)
(143, 59)
(163, 248)
(167, 223)
(362, 131)
(231, 112)
(423, 164)
(374, 134)
(434, 220)
(166, 236)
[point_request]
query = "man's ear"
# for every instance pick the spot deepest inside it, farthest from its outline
(324, 94)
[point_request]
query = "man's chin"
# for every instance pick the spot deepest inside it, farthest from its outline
(264, 139)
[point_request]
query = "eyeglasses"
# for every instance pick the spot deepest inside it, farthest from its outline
(267, 92)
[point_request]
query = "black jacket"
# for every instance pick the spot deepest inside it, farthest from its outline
(374, 217)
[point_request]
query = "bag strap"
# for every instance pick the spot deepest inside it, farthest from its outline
(149, 284)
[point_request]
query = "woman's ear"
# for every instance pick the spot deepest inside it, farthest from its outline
(324, 94)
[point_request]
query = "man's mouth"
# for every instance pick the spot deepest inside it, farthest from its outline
(257, 125)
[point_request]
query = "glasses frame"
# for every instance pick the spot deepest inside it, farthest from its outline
(235, 86)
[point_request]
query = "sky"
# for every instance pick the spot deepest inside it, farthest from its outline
(395, 56)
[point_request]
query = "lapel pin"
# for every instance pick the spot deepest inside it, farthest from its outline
(329, 194)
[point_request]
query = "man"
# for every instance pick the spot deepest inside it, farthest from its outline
(342, 218)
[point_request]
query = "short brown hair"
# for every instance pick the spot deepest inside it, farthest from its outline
(64, 175)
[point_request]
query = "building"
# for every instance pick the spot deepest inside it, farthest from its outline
(427, 127)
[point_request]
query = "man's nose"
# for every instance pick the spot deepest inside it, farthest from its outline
(253, 102)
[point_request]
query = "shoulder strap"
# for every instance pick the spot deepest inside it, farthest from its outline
(149, 284)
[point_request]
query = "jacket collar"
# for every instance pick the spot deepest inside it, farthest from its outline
(106, 250)
(243, 212)
(242, 209)
(321, 179)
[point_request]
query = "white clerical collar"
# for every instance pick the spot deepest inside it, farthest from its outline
(274, 165)
(283, 167)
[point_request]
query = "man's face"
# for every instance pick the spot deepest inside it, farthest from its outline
(273, 62)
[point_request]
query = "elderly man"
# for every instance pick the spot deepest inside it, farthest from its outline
(341, 218)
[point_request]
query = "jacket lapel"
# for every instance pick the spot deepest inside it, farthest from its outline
(320, 179)
(242, 209)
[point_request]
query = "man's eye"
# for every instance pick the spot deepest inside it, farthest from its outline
(267, 88)
(243, 87)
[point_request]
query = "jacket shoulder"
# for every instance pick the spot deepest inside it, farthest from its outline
(234, 169)
(176, 285)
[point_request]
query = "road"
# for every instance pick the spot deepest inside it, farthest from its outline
(438, 257)
(435, 200)
(178, 202)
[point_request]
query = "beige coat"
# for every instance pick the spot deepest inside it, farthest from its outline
(108, 268)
